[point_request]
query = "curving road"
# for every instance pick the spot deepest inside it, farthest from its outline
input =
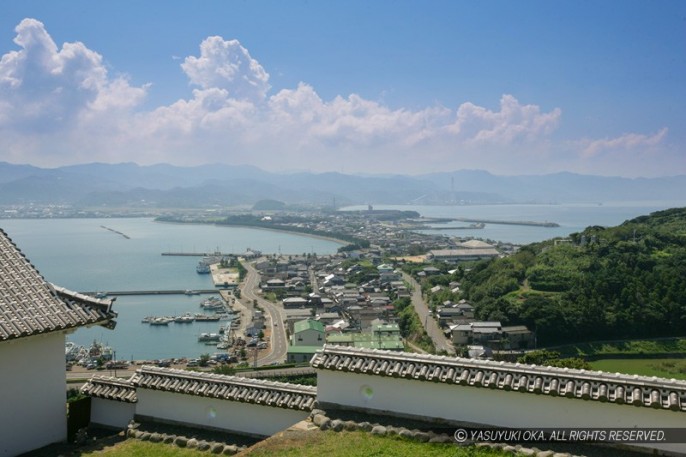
(279, 343)
(429, 323)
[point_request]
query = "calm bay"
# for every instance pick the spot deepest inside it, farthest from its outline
(81, 255)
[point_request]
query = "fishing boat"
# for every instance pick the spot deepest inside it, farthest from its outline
(207, 317)
(187, 318)
(207, 337)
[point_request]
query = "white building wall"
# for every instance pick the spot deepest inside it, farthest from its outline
(477, 405)
(220, 414)
(33, 393)
(112, 413)
(309, 337)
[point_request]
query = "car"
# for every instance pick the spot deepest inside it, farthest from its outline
(193, 363)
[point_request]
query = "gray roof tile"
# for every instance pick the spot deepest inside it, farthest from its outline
(617, 388)
(110, 389)
(29, 305)
(268, 393)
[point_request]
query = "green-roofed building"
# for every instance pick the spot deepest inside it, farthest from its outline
(308, 332)
(307, 338)
(382, 336)
(301, 354)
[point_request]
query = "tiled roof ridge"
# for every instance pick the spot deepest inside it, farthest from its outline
(594, 375)
(31, 305)
(110, 388)
(104, 304)
(581, 384)
(225, 387)
(222, 378)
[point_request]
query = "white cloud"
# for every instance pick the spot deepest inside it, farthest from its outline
(227, 65)
(627, 141)
(61, 105)
(514, 122)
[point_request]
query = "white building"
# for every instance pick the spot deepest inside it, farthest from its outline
(35, 316)
(451, 391)
(236, 404)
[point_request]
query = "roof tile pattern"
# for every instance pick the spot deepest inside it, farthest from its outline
(110, 388)
(581, 384)
(29, 305)
(233, 388)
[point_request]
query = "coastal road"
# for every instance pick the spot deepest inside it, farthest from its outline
(279, 342)
(429, 323)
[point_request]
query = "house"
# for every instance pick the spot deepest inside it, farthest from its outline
(467, 251)
(382, 336)
(518, 337)
(308, 332)
(294, 302)
(308, 338)
(35, 317)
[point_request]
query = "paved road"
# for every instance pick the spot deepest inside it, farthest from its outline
(279, 343)
(429, 323)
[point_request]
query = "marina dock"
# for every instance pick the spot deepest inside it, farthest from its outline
(198, 254)
(154, 292)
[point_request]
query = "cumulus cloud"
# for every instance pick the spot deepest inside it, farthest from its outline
(59, 102)
(514, 121)
(50, 94)
(227, 65)
(627, 141)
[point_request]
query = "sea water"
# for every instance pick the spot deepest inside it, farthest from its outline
(570, 217)
(81, 255)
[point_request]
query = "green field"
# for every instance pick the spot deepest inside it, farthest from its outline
(310, 444)
(663, 368)
(655, 346)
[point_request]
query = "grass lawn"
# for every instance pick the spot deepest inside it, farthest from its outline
(657, 346)
(664, 368)
(359, 444)
(310, 444)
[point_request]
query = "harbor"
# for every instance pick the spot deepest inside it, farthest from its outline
(223, 328)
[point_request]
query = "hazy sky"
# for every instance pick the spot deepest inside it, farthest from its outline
(512, 87)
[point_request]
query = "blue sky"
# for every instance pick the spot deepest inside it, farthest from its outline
(525, 87)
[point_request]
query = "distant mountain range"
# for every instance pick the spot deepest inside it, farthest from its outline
(168, 186)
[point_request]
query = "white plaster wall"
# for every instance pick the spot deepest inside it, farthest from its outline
(211, 412)
(310, 337)
(112, 413)
(480, 405)
(32, 393)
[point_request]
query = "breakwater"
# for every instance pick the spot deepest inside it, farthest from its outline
(198, 254)
(116, 231)
(492, 221)
(154, 292)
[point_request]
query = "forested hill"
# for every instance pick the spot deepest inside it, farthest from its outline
(627, 281)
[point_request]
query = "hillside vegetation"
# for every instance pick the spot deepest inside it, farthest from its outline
(621, 282)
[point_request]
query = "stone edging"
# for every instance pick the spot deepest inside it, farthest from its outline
(213, 447)
(323, 422)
